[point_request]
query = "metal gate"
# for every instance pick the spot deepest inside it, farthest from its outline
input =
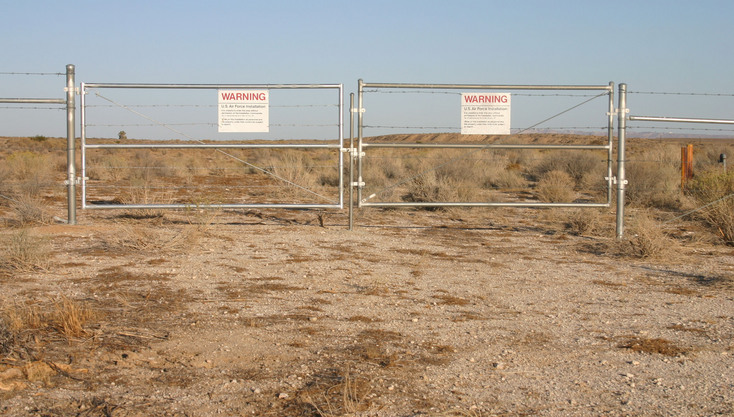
(623, 117)
(296, 161)
(470, 146)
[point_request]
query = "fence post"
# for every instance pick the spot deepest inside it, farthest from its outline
(351, 161)
(686, 166)
(621, 180)
(70, 157)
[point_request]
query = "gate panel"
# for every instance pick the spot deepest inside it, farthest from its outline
(418, 157)
(171, 150)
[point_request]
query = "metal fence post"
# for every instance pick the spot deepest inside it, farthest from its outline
(70, 157)
(621, 179)
(351, 161)
(360, 121)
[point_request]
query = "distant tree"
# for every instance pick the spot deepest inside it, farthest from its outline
(122, 135)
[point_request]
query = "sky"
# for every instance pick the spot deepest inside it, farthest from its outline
(652, 46)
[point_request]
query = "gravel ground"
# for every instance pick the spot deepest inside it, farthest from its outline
(412, 313)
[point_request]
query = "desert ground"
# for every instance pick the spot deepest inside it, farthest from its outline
(270, 312)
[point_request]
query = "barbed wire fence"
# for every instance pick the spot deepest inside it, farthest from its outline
(32, 175)
(654, 164)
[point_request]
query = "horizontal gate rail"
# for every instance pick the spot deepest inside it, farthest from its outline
(336, 143)
(680, 120)
(481, 146)
(211, 146)
(33, 100)
(607, 89)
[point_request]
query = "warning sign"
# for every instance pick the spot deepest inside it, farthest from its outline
(244, 111)
(485, 113)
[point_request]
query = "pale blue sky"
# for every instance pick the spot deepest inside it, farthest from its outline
(650, 45)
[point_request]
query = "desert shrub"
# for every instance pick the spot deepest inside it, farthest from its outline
(432, 187)
(111, 166)
(29, 210)
(577, 164)
(31, 170)
(39, 138)
(500, 177)
(23, 252)
(652, 184)
(383, 169)
(645, 238)
(715, 190)
(555, 187)
(583, 221)
(293, 169)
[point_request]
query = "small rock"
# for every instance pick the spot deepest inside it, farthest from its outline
(282, 395)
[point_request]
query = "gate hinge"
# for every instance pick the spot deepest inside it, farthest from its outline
(614, 180)
(353, 151)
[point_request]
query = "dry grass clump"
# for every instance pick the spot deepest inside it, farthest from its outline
(645, 238)
(22, 252)
(108, 166)
(33, 168)
(577, 164)
(338, 394)
(654, 178)
(584, 221)
(292, 168)
(651, 346)
(716, 190)
(141, 238)
(555, 187)
(29, 210)
(69, 317)
(432, 187)
(64, 316)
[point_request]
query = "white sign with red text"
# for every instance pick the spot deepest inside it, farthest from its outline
(244, 110)
(485, 113)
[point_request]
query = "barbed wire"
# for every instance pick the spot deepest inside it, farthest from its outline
(681, 93)
(32, 73)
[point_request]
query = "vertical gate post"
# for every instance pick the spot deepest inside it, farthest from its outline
(621, 179)
(610, 142)
(360, 121)
(351, 161)
(70, 157)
